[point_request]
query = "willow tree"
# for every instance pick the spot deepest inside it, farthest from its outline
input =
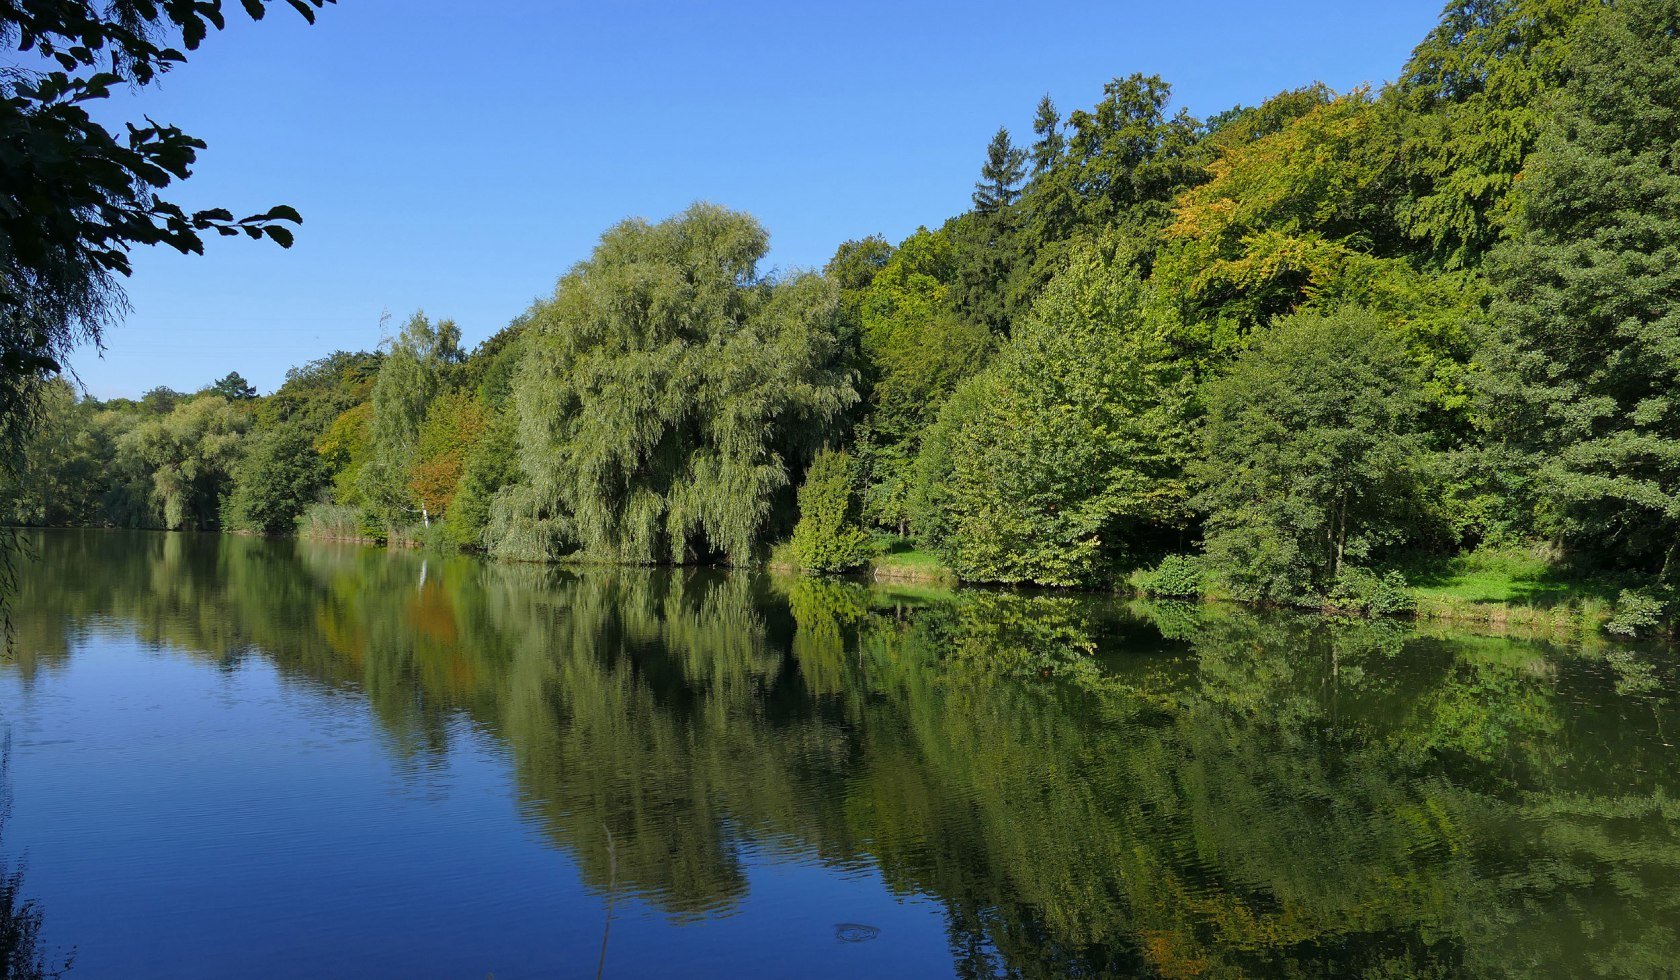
(668, 393)
(190, 454)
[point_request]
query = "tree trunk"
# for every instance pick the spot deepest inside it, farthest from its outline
(1339, 532)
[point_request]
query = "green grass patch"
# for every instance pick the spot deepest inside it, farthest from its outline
(1514, 586)
(899, 558)
(1523, 576)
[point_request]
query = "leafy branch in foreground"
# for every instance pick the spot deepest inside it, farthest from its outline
(79, 197)
(76, 197)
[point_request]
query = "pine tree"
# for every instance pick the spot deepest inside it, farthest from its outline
(1001, 177)
(234, 388)
(1047, 126)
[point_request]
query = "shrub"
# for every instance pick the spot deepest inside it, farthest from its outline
(1523, 561)
(1638, 613)
(1361, 590)
(1595, 613)
(828, 537)
(1177, 576)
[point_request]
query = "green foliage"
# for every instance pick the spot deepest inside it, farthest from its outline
(489, 370)
(1471, 104)
(299, 446)
(492, 463)
(1638, 613)
(1586, 362)
(190, 454)
(1115, 166)
(415, 371)
(334, 522)
(1001, 176)
(63, 465)
(1298, 213)
(1126, 157)
(828, 537)
(1364, 591)
(1070, 446)
(852, 270)
(916, 349)
(1308, 454)
(160, 400)
(233, 387)
(1049, 143)
(345, 446)
(1176, 576)
(275, 481)
(75, 196)
(1525, 562)
(454, 425)
(1286, 331)
(1286, 215)
(667, 392)
(317, 392)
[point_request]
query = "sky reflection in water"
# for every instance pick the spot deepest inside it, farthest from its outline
(242, 757)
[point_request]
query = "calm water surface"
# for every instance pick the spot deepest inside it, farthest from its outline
(241, 758)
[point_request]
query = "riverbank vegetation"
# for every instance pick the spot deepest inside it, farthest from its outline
(1328, 350)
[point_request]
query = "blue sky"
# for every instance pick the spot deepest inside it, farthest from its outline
(458, 157)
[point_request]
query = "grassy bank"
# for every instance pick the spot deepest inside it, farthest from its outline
(1525, 589)
(899, 560)
(892, 559)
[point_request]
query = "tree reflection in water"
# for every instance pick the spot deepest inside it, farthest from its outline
(22, 954)
(1088, 787)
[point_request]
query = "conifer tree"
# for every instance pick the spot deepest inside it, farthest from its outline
(1047, 126)
(1001, 176)
(1589, 354)
(234, 388)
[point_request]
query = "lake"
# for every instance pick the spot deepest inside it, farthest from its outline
(233, 757)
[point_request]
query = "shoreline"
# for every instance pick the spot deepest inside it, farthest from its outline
(1576, 617)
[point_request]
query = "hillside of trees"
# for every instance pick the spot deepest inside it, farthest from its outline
(1291, 353)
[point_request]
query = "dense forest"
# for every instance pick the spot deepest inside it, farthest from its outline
(1292, 353)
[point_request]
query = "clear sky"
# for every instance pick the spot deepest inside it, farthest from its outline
(458, 157)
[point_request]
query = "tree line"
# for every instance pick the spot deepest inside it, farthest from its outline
(1275, 353)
